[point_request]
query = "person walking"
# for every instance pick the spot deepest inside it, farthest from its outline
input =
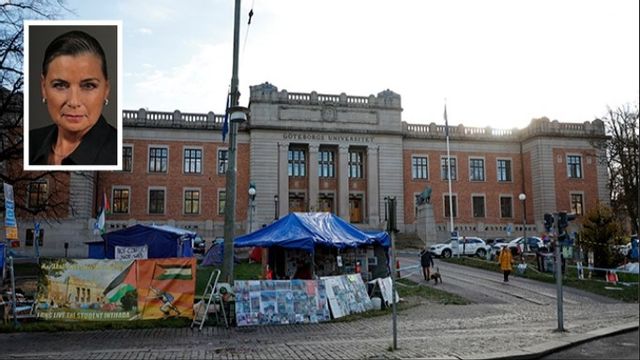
(426, 260)
(505, 261)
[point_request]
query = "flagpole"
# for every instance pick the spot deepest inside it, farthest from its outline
(446, 131)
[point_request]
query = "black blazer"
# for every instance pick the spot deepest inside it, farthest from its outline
(98, 147)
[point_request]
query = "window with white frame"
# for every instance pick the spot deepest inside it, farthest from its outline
(120, 200)
(504, 170)
(476, 169)
(444, 168)
(478, 209)
(222, 201)
(192, 161)
(156, 201)
(158, 159)
(574, 166)
(419, 168)
(127, 158)
(326, 163)
(447, 206)
(191, 201)
(223, 160)
(577, 204)
(506, 206)
(356, 164)
(297, 162)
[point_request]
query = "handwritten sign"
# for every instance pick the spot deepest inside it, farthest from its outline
(131, 252)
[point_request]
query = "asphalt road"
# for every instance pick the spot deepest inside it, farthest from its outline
(483, 286)
(622, 346)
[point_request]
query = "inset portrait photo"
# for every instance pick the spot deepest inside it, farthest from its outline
(72, 103)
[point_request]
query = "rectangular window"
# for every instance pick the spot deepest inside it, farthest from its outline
(476, 169)
(577, 204)
(30, 236)
(223, 160)
(37, 193)
(574, 166)
(445, 168)
(419, 168)
(120, 201)
(192, 161)
(297, 163)
(326, 164)
(454, 203)
(356, 164)
(222, 201)
(156, 201)
(504, 170)
(127, 158)
(191, 202)
(158, 158)
(506, 207)
(478, 206)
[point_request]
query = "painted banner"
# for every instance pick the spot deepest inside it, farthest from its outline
(260, 302)
(91, 289)
(11, 228)
(346, 294)
(166, 287)
(131, 252)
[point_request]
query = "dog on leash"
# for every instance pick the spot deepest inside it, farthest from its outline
(436, 276)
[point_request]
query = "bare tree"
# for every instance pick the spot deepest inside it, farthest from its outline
(56, 204)
(621, 149)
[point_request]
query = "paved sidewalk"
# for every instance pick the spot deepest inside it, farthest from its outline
(478, 331)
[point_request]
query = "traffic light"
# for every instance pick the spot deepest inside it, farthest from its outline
(548, 222)
(563, 223)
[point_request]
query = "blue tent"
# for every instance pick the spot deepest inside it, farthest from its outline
(162, 241)
(307, 230)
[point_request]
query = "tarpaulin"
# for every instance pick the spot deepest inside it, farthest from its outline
(162, 241)
(307, 230)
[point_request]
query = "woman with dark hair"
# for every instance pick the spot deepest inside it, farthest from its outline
(75, 87)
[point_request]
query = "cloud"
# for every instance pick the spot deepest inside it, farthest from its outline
(145, 31)
(199, 85)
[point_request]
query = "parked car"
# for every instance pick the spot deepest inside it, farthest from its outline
(474, 246)
(534, 243)
(495, 241)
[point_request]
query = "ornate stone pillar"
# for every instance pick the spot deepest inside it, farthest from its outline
(314, 182)
(343, 182)
(373, 197)
(283, 179)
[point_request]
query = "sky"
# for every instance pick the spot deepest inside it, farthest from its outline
(498, 63)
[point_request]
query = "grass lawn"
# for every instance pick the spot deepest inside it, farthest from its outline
(626, 293)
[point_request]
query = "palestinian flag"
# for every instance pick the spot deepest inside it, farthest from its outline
(173, 272)
(121, 284)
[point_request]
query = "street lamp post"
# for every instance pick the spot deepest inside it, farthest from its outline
(236, 115)
(276, 214)
(252, 206)
(525, 244)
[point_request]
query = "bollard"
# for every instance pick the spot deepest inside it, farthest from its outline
(397, 268)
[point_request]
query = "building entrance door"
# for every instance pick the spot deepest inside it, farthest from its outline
(355, 209)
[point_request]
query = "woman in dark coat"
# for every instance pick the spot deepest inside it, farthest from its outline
(426, 260)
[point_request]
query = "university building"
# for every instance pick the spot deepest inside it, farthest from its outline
(338, 153)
